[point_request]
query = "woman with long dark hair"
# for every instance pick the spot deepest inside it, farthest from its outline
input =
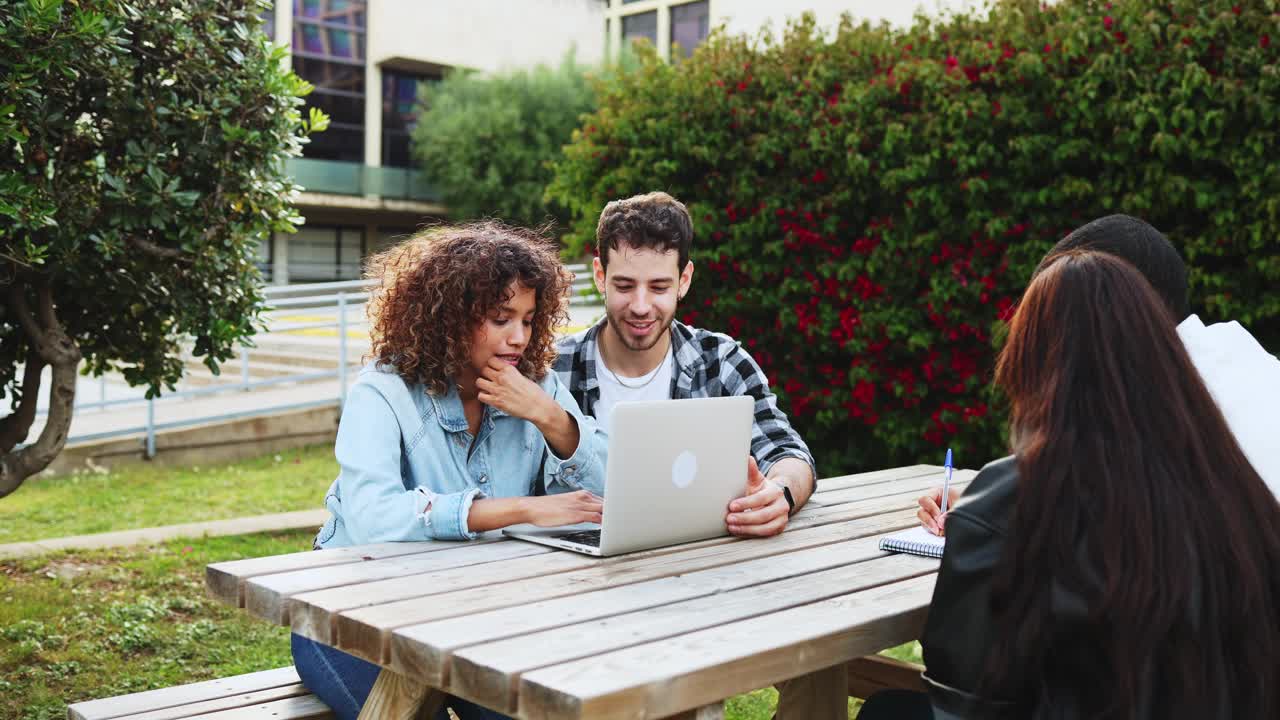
(1125, 562)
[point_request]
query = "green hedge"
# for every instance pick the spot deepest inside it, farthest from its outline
(869, 205)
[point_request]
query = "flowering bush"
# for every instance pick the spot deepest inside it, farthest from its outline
(869, 206)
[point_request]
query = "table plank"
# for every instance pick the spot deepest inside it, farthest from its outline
(267, 595)
(225, 580)
(311, 612)
(365, 632)
(663, 678)
(841, 482)
(919, 485)
(489, 674)
(425, 650)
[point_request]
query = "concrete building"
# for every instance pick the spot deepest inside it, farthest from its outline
(366, 59)
(684, 24)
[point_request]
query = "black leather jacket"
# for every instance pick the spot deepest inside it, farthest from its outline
(959, 630)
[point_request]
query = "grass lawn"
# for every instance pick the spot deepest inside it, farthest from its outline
(89, 624)
(144, 495)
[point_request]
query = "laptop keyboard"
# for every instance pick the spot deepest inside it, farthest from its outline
(584, 537)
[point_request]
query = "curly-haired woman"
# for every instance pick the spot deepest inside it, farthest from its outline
(455, 422)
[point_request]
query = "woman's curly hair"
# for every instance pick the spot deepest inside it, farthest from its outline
(435, 289)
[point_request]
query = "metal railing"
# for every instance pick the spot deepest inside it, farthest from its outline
(336, 297)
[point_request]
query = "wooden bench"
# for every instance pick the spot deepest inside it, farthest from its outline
(275, 694)
(873, 673)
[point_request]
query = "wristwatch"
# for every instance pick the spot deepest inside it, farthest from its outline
(786, 493)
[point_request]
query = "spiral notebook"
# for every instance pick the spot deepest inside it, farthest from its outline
(916, 541)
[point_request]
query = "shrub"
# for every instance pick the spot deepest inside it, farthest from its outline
(487, 139)
(869, 207)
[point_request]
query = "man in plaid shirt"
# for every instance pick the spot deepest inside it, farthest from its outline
(640, 352)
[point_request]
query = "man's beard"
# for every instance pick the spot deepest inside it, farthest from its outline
(622, 332)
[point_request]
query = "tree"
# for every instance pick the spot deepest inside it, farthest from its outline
(143, 162)
(488, 139)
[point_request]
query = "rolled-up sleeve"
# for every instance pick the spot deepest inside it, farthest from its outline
(372, 499)
(585, 468)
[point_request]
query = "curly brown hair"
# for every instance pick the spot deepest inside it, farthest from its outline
(435, 289)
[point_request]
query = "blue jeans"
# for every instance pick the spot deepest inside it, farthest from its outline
(343, 682)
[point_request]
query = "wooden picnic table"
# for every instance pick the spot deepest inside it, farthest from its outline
(544, 634)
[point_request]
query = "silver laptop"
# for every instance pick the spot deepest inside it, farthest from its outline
(674, 466)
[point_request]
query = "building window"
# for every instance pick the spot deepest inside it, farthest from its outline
(318, 253)
(690, 24)
(329, 52)
(399, 116)
(640, 25)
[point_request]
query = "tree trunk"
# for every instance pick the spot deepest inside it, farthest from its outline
(50, 343)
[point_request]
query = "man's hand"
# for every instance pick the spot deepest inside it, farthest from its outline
(930, 513)
(762, 512)
(563, 509)
(502, 386)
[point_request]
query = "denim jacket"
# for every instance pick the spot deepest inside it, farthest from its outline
(395, 438)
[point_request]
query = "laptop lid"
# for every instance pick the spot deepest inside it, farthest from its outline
(674, 466)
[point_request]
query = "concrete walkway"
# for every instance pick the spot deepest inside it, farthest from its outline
(300, 519)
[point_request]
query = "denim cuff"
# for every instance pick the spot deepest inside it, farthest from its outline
(567, 471)
(448, 515)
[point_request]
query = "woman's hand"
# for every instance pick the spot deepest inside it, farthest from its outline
(930, 514)
(502, 386)
(564, 509)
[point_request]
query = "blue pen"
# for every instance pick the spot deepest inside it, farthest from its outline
(946, 483)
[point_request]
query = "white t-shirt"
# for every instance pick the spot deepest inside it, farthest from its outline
(656, 385)
(1244, 380)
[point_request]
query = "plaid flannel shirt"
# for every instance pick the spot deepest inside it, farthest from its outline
(707, 364)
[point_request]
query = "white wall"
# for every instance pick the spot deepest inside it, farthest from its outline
(748, 16)
(486, 34)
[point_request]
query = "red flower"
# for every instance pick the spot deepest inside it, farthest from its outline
(1107, 22)
(1048, 47)
(952, 62)
(864, 245)
(819, 176)
(1236, 9)
(1265, 41)
(1121, 37)
(1004, 309)
(864, 392)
